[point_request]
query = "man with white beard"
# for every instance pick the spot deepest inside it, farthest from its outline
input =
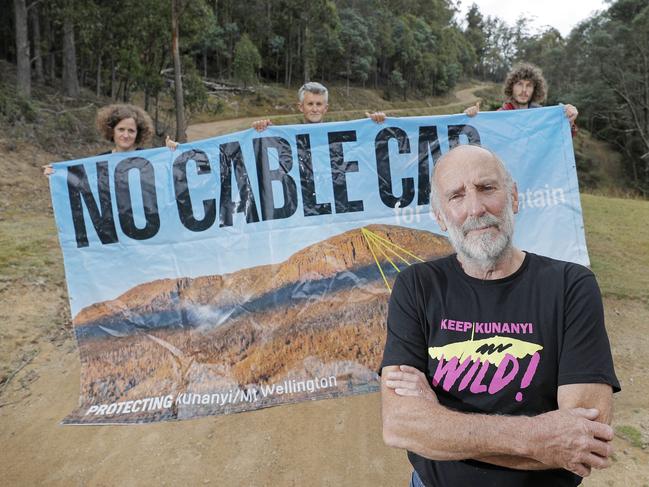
(528, 405)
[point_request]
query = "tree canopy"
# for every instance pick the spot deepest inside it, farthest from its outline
(403, 47)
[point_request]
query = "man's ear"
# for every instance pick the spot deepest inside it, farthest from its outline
(515, 198)
(440, 220)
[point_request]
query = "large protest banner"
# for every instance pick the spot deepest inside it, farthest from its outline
(254, 269)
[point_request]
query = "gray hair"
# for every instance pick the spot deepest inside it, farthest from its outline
(434, 191)
(315, 88)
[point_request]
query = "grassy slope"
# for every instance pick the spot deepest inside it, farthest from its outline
(618, 243)
(33, 298)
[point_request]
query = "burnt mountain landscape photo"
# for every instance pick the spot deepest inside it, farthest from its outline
(321, 313)
(341, 262)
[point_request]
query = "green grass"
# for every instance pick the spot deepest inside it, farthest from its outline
(631, 434)
(29, 249)
(617, 236)
(599, 166)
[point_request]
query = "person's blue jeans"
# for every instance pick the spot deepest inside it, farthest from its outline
(415, 481)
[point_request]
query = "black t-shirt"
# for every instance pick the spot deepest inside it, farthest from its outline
(498, 346)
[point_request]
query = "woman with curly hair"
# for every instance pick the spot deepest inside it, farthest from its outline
(525, 87)
(126, 126)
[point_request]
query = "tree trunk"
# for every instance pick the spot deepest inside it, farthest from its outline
(286, 56)
(113, 79)
(156, 118)
(349, 70)
(376, 75)
(119, 90)
(126, 94)
(306, 53)
(70, 79)
(181, 136)
(289, 62)
(36, 38)
(300, 51)
(98, 81)
(52, 74)
(50, 58)
(290, 72)
(24, 71)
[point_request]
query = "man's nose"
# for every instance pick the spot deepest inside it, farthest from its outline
(475, 204)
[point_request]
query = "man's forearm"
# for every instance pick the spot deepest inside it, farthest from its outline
(570, 396)
(517, 463)
(460, 436)
(414, 420)
(427, 428)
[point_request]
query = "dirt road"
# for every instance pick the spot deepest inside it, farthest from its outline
(199, 131)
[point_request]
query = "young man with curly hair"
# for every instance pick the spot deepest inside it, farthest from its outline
(525, 87)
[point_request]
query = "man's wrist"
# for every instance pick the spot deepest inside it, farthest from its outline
(523, 440)
(510, 436)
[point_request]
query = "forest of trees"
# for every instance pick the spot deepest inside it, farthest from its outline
(405, 48)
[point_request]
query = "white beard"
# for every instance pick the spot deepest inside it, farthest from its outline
(485, 249)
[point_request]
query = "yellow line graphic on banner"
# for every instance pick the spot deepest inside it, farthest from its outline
(383, 246)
